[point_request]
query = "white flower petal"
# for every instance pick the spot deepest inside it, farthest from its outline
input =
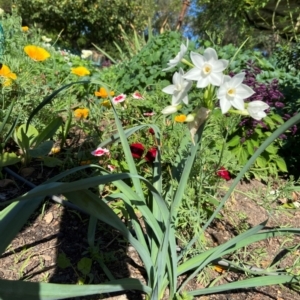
(169, 110)
(216, 79)
(238, 103)
(220, 65)
(193, 74)
(169, 89)
(244, 91)
(197, 59)
(225, 105)
(203, 82)
(256, 109)
(237, 79)
(210, 53)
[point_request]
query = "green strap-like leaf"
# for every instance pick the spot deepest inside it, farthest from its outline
(21, 290)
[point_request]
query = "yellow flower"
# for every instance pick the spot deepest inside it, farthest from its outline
(6, 73)
(106, 103)
(55, 150)
(80, 71)
(103, 93)
(36, 53)
(81, 113)
(180, 118)
(25, 28)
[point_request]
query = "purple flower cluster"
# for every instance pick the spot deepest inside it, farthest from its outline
(266, 92)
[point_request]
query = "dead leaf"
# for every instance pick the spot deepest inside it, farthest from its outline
(6, 182)
(48, 217)
(27, 171)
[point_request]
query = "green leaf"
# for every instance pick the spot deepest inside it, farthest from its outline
(13, 218)
(42, 150)
(281, 164)
(261, 162)
(250, 147)
(31, 134)
(22, 290)
(234, 141)
(272, 149)
(51, 162)
(7, 159)
(63, 261)
(48, 131)
(84, 265)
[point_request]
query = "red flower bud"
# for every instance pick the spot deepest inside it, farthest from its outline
(151, 154)
(137, 150)
(224, 173)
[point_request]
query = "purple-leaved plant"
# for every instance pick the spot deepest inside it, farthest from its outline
(266, 92)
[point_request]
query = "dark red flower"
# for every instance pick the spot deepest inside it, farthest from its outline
(224, 173)
(137, 150)
(151, 154)
(151, 131)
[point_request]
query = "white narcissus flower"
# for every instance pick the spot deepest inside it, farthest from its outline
(171, 109)
(256, 109)
(178, 89)
(86, 53)
(208, 68)
(175, 61)
(232, 92)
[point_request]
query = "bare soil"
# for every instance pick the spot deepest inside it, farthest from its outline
(55, 231)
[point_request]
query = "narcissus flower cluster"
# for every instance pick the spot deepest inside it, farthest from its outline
(208, 73)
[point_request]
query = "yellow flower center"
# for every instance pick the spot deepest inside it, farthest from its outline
(180, 118)
(207, 69)
(231, 92)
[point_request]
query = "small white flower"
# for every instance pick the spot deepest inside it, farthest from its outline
(171, 109)
(175, 61)
(208, 68)
(45, 39)
(232, 92)
(86, 53)
(256, 109)
(178, 89)
(2, 12)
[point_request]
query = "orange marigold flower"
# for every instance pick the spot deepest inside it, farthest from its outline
(80, 71)
(6, 73)
(81, 113)
(180, 118)
(103, 93)
(106, 103)
(36, 53)
(25, 28)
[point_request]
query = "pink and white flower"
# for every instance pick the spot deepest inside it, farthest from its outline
(149, 114)
(118, 99)
(111, 167)
(138, 96)
(100, 151)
